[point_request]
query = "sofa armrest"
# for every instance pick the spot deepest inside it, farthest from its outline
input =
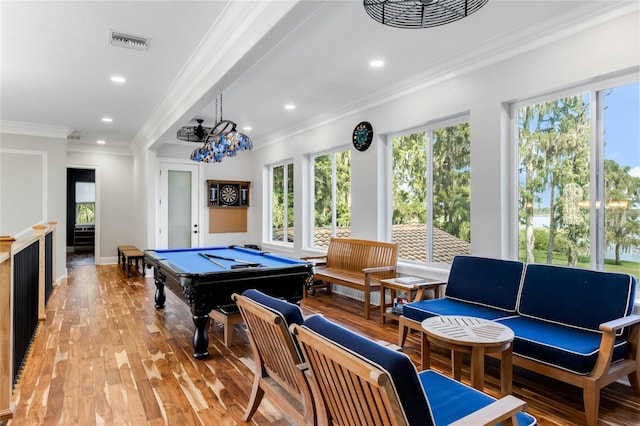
(609, 329)
(497, 412)
(379, 269)
(616, 324)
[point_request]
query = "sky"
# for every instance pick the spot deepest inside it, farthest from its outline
(622, 126)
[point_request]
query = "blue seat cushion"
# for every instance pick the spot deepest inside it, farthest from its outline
(451, 400)
(575, 297)
(488, 282)
(419, 311)
(290, 313)
(400, 368)
(564, 347)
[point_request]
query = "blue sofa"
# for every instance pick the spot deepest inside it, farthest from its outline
(574, 325)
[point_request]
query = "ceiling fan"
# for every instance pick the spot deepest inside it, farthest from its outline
(193, 133)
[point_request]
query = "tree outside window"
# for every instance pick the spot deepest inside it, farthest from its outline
(579, 195)
(431, 192)
(85, 203)
(282, 203)
(332, 196)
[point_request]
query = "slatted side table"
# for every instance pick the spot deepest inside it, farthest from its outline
(475, 335)
(418, 287)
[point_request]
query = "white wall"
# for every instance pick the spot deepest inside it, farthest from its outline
(34, 188)
(593, 54)
(116, 223)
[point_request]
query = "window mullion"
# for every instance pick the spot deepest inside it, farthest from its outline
(597, 221)
(334, 194)
(429, 195)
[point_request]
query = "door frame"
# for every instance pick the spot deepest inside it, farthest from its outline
(96, 225)
(162, 202)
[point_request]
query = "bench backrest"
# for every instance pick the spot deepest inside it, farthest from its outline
(488, 282)
(575, 297)
(354, 255)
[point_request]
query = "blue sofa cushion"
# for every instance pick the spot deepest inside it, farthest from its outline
(290, 313)
(564, 347)
(419, 311)
(489, 282)
(451, 400)
(575, 297)
(398, 365)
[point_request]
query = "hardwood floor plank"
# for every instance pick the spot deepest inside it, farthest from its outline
(105, 356)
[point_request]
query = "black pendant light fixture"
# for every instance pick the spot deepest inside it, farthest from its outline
(193, 133)
(420, 13)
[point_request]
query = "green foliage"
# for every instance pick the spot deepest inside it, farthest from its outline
(554, 149)
(323, 167)
(451, 150)
(85, 213)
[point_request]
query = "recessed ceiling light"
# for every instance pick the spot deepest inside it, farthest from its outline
(107, 119)
(118, 79)
(101, 142)
(289, 107)
(246, 128)
(377, 63)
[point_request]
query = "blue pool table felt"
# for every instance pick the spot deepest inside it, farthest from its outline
(190, 260)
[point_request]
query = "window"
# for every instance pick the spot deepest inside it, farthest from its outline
(579, 179)
(85, 203)
(431, 192)
(332, 196)
(282, 203)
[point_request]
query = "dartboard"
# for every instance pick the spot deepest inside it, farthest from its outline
(229, 194)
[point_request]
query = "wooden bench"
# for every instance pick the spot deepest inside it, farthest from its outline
(358, 264)
(129, 256)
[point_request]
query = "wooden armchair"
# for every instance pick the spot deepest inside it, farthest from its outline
(276, 355)
(356, 381)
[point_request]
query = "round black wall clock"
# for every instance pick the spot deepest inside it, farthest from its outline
(362, 136)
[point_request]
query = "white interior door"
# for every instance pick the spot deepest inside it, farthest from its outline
(178, 206)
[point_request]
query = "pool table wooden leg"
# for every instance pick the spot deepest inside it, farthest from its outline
(161, 297)
(201, 336)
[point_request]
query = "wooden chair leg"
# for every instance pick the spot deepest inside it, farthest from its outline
(591, 395)
(402, 332)
(228, 331)
(634, 380)
(256, 397)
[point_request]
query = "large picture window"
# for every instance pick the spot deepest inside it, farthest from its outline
(332, 196)
(282, 203)
(579, 179)
(431, 191)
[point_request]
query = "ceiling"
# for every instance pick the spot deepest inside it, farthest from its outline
(56, 61)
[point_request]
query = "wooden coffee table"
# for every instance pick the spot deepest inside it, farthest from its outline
(473, 335)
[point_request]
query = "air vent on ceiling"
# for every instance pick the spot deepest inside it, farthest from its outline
(129, 41)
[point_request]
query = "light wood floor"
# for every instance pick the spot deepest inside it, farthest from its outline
(104, 355)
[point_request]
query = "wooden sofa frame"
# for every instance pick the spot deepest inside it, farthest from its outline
(603, 374)
(357, 264)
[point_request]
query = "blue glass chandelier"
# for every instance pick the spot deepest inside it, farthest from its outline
(222, 141)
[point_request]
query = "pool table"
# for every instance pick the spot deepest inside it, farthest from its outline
(205, 279)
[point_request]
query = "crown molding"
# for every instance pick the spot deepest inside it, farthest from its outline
(501, 48)
(214, 64)
(98, 149)
(33, 129)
